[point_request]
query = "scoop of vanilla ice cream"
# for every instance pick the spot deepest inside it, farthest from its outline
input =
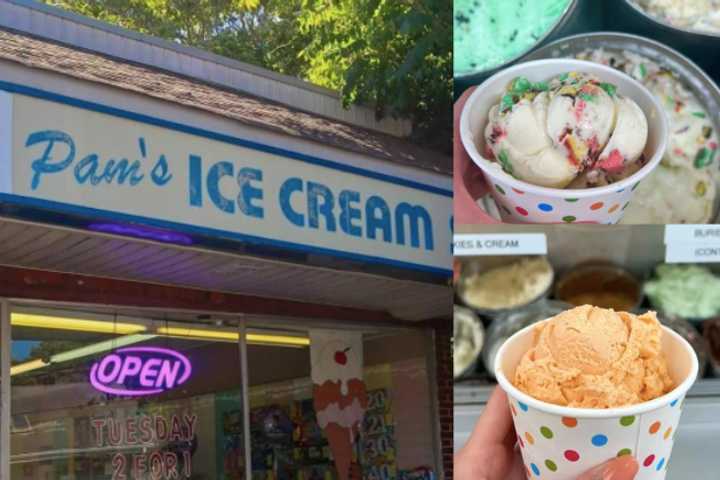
(548, 133)
(629, 137)
(525, 150)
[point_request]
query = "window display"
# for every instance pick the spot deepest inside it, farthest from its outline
(89, 403)
(112, 397)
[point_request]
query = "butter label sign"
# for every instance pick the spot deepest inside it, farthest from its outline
(692, 253)
(692, 234)
(116, 162)
(500, 244)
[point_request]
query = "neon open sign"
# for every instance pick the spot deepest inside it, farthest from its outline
(138, 371)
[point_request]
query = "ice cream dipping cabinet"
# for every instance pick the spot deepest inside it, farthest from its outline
(674, 271)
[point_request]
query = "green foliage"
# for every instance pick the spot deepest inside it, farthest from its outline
(393, 54)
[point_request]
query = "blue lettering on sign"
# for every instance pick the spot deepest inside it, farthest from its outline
(316, 192)
(248, 192)
(303, 203)
(44, 164)
(374, 206)
(290, 186)
(216, 172)
(195, 181)
(411, 221)
(414, 215)
(349, 213)
(90, 169)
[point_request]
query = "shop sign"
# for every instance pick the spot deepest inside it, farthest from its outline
(74, 156)
(166, 445)
(500, 244)
(692, 243)
(140, 371)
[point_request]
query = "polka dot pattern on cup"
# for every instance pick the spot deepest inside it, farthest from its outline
(522, 211)
(599, 440)
(627, 421)
(569, 422)
(523, 407)
(499, 189)
(596, 206)
(654, 428)
(571, 455)
(545, 207)
(564, 445)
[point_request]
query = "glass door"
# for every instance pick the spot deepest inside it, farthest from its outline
(110, 397)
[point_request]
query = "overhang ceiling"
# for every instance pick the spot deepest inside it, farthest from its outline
(61, 249)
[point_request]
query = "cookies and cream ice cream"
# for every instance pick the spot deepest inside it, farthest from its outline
(700, 15)
(590, 357)
(572, 131)
(682, 189)
(508, 286)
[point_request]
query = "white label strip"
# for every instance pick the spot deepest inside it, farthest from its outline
(500, 244)
(692, 234)
(692, 253)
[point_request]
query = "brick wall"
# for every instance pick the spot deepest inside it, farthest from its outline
(443, 359)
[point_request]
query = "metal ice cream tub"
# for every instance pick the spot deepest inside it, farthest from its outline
(700, 46)
(564, 25)
(693, 77)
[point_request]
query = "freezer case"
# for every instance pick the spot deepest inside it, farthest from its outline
(638, 250)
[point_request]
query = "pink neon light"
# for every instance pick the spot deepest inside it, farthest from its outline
(130, 366)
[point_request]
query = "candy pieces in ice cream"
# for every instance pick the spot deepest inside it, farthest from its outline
(591, 357)
(683, 188)
(572, 128)
(686, 291)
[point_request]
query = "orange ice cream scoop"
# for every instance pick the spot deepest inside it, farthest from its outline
(591, 357)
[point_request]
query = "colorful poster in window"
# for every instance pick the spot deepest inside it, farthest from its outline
(339, 393)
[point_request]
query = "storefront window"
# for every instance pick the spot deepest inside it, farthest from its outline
(296, 435)
(98, 398)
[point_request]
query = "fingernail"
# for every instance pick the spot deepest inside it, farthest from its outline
(623, 468)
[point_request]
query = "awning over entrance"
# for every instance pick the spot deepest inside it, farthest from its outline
(30, 245)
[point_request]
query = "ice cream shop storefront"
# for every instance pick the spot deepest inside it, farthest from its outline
(199, 284)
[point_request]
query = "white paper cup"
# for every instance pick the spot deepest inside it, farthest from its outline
(560, 443)
(522, 202)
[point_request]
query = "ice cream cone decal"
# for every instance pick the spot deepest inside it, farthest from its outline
(339, 392)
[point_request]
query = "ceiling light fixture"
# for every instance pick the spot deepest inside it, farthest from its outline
(74, 324)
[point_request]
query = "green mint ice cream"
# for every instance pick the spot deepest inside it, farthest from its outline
(489, 33)
(686, 291)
